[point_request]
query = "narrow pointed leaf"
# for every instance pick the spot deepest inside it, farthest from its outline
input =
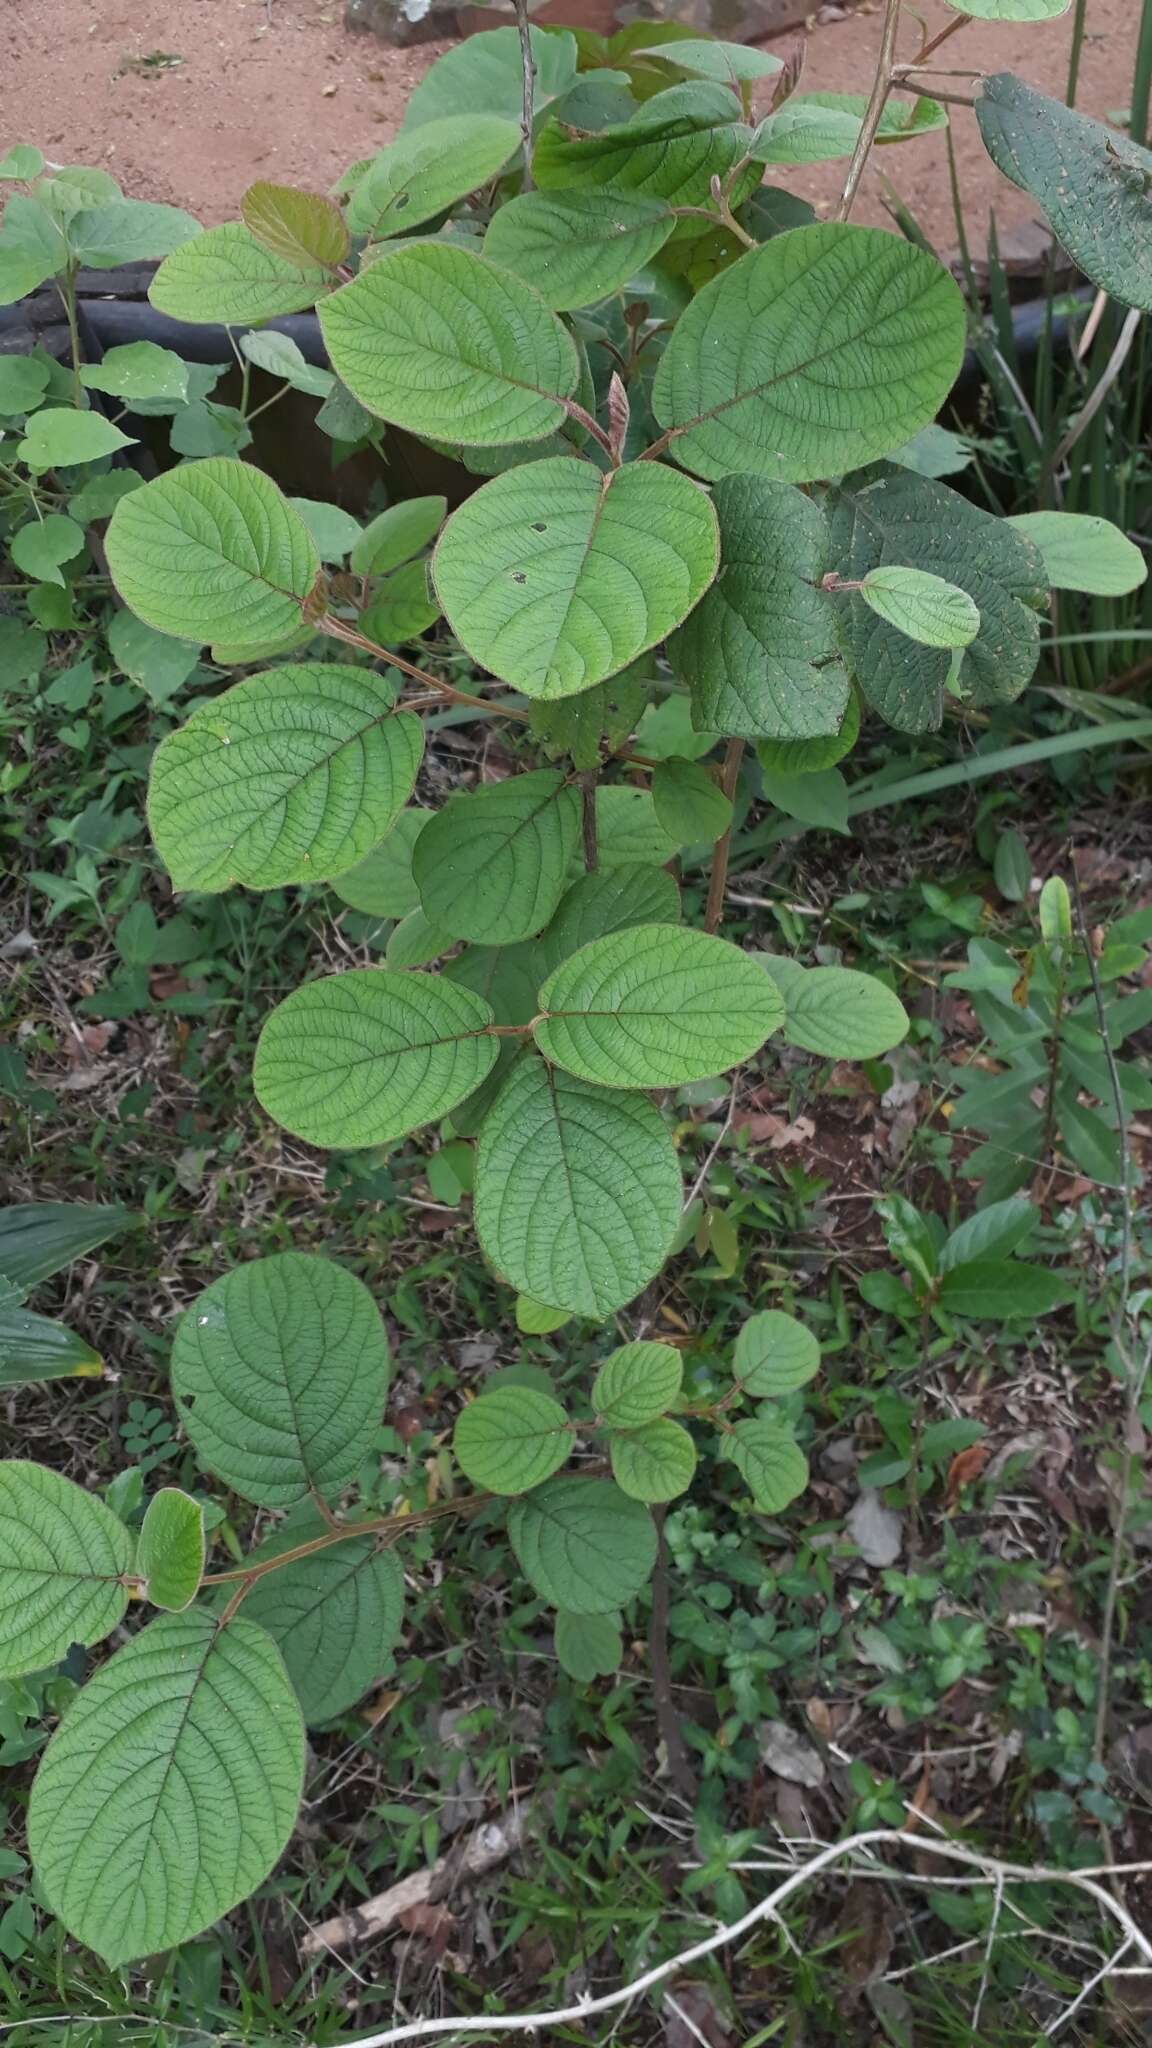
(1012, 10)
(361, 1058)
(511, 1439)
(582, 1544)
(213, 551)
(576, 247)
(555, 576)
(818, 353)
(280, 1371)
(36, 1348)
(170, 1787)
(655, 1007)
(226, 275)
(170, 1551)
(440, 341)
(38, 1239)
(492, 864)
(1003, 1290)
(291, 776)
(62, 1557)
(577, 1190)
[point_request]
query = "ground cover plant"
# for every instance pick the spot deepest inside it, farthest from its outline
(710, 556)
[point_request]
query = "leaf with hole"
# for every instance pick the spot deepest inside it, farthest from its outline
(818, 353)
(511, 1439)
(170, 1550)
(654, 1463)
(588, 1646)
(636, 1384)
(436, 339)
(63, 1556)
(656, 1006)
(492, 864)
(213, 551)
(770, 1462)
(759, 653)
(290, 776)
(280, 1371)
(300, 228)
(582, 1544)
(555, 575)
(577, 1190)
(774, 1355)
(1081, 552)
(361, 1058)
(577, 247)
(170, 1788)
(334, 1616)
(428, 169)
(923, 607)
(227, 276)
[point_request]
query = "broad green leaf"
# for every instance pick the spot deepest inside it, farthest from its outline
(628, 832)
(511, 1439)
(582, 1544)
(38, 1239)
(1012, 10)
(58, 437)
(24, 270)
(213, 551)
(300, 228)
(279, 1371)
(593, 724)
(610, 900)
(916, 522)
(588, 1646)
(722, 62)
(361, 1058)
(128, 231)
(170, 1787)
(279, 355)
(414, 942)
(1056, 927)
(138, 369)
(774, 1355)
(485, 74)
(1087, 1140)
(382, 884)
(817, 127)
(290, 776)
(992, 1233)
(1091, 181)
(759, 653)
(63, 1556)
(333, 530)
(934, 451)
(22, 163)
(1002, 1290)
(1012, 867)
(100, 495)
(656, 1006)
(769, 1460)
(44, 544)
(838, 343)
(555, 575)
(1080, 552)
(492, 864)
(923, 607)
(436, 339)
(842, 1015)
(536, 1319)
(812, 756)
(396, 535)
(636, 1384)
(427, 170)
(577, 247)
(36, 1348)
(157, 662)
(577, 1190)
(654, 1463)
(670, 149)
(226, 275)
(170, 1550)
(334, 1616)
(23, 382)
(402, 608)
(689, 802)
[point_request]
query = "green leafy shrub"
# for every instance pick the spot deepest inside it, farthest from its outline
(700, 518)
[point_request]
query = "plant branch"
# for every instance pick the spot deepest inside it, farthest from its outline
(874, 113)
(667, 1720)
(528, 76)
(338, 629)
(587, 780)
(344, 1532)
(718, 879)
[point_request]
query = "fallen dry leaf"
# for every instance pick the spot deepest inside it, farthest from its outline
(965, 1467)
(789, 1756)
(877, 1531)
(692, 2016)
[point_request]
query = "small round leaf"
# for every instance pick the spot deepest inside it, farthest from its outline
(588, 1646)
(923, 607)
(769, 1461)
(170, 1552)
(774, 1355)
(511, 1439)
(654, 1463)
(636, 1384)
